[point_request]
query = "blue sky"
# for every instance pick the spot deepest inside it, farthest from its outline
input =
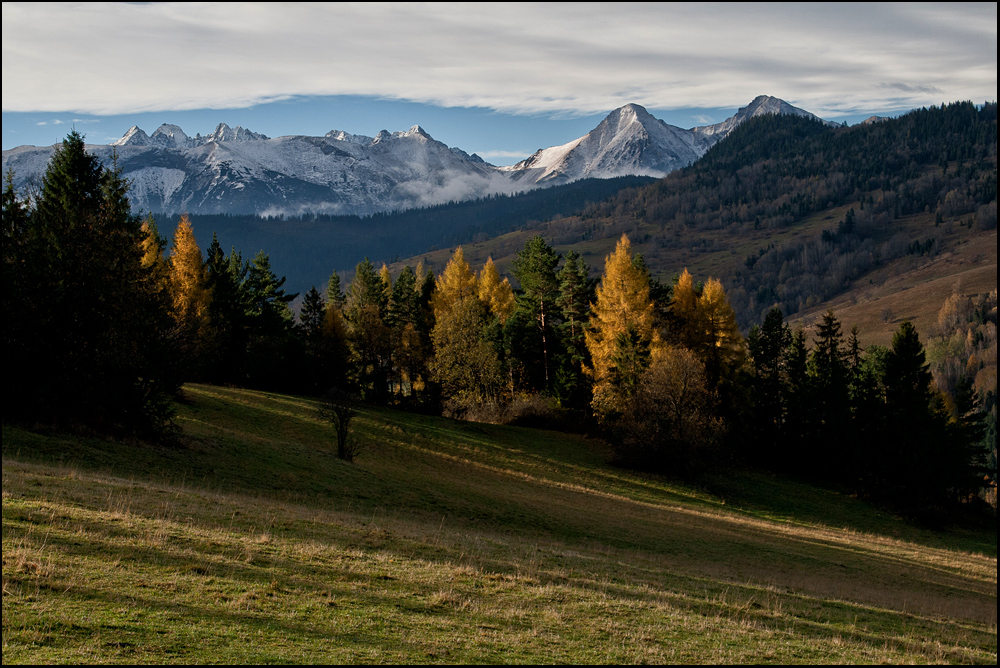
(499, 80)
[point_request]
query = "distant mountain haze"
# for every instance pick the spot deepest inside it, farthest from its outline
(237, 171)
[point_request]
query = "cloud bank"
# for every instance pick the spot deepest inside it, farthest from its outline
(524, 59)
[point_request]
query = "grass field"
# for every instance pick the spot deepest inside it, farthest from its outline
(454, 542)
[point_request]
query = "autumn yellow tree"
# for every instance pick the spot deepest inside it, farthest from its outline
(496, 294)
(188, 279)
(456, 284)
(622, 338)
(465, 364)
(686, 325)
(723, 349)
(153, 259)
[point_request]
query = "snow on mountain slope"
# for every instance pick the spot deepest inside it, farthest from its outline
(762, 105)
(235, 170)
(631, 141)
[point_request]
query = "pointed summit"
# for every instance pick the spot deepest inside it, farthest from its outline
(762, 105)
(134, 136)
(629, 140)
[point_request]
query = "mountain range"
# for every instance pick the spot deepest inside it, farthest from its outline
(238, 171)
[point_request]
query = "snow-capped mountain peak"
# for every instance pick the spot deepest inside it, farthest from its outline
(761, 105)
(235, 170)
(134, 136)
(170, 136)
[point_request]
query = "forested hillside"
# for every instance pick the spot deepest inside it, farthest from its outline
(790, 213)
(775, 172)
(307, 248)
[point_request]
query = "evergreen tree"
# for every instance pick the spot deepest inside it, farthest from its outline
(917, 446)
(535, 269)
(271, 345)
(228, 331)
(334, 293)
(576, 293)
(830, 410)
(369, 336)
(768, 346)
(311, 315)
(87, 336)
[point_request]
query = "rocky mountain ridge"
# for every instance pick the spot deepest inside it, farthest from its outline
(235, 170)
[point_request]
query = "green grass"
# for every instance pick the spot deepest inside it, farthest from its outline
(453, 542)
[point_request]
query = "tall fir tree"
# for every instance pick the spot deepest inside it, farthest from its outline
(535, 269)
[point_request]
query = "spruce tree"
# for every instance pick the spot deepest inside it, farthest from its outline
(535, 269)
(88, 339)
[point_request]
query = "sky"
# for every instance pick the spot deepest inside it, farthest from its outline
(499, 80)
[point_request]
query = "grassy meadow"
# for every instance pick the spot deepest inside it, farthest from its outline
(450, 541)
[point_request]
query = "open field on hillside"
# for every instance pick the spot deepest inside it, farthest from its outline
(453, 542)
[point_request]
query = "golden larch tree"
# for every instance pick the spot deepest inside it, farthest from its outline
(621, 326)
(153, 259)
(386, 279)
(456, 284)
(684, 308)
(187, 278)
(496, 294)
(723, 349)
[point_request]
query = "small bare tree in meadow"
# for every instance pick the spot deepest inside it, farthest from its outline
(338, 407)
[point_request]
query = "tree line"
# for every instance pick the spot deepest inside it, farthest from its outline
(105, 324)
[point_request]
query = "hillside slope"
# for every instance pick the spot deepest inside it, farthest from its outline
(792, 213)
(453, 542)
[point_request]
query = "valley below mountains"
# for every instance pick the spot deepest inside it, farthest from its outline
(237, 171)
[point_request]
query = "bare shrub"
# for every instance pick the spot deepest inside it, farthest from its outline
(669, 424)
(339, 407)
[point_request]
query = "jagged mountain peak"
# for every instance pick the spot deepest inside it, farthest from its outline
(172, 136)
(134, 136)
(348, 173)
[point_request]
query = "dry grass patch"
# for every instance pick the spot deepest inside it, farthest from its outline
(452, 542)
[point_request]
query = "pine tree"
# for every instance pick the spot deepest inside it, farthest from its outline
(368, 333)
(224, 358)
(311, 318)
(311, 315)
(768, 346)
(830, 410)
(334, 293)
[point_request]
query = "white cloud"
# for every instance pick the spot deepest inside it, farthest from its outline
(491, 155)
(554, 59)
